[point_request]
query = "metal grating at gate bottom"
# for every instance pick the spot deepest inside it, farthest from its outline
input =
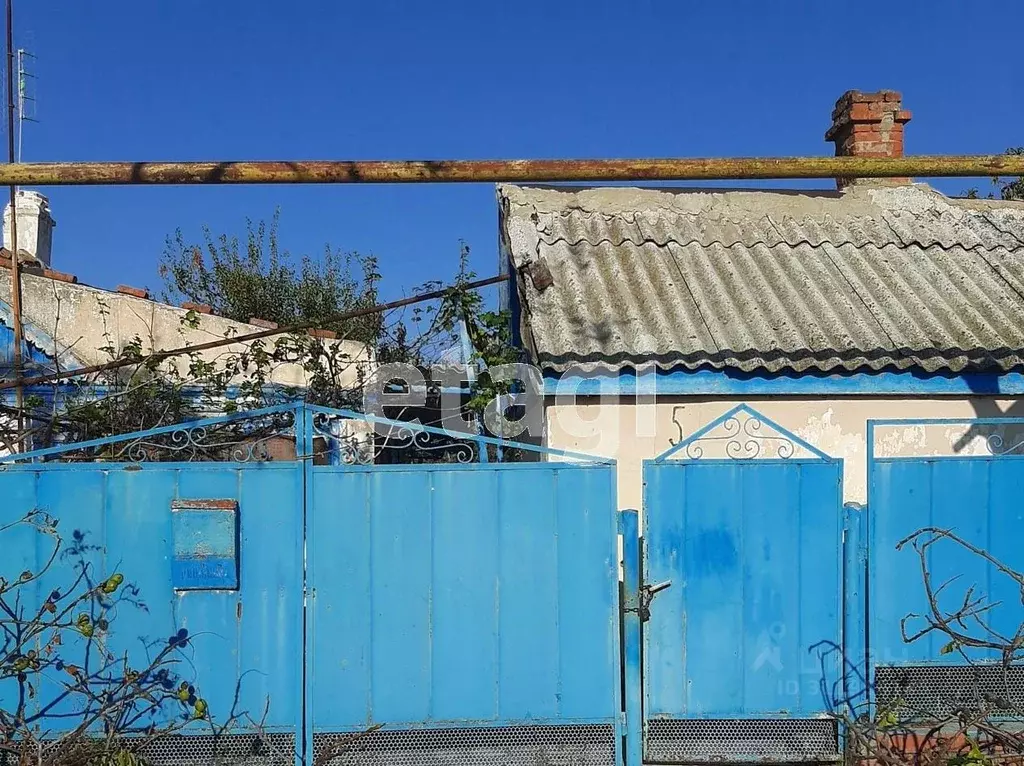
(563, 745)
(784, 740)
(276, 749)
(939, 690)
(250, 749)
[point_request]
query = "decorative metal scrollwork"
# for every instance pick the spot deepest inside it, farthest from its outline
(741, 436)
(367, 447)
(242, 441)
(996, 445)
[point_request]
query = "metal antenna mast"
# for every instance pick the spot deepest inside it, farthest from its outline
(15, 265)
(26, 96)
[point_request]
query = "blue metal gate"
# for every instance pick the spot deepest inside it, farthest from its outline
(927, 478)
(241, 602)
(472, 608)
(742, 581)
(465, 608)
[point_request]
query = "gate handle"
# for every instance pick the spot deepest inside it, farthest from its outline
(647, 594)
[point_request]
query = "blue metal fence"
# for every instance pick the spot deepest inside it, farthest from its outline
(753, 553)
(478, 596)
(943, 594)
(119, 516)
(976, 497)
(467, 606)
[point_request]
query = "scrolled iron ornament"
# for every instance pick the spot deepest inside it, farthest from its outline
(399, 436)
(994, 444)
(744, 439)
(752, 427)
(731, 428)
(240, 441)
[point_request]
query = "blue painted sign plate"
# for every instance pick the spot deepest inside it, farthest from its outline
(205, 535)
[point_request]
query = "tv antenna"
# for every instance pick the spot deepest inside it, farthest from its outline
(26, 94)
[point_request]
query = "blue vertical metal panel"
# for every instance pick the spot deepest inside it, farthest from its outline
(53, 491)
(977, 498)
(629, 526)
(854, 650)
(19, 554)
(212, 612)
(464, 594)
(249, 639)
(752, 549)
(588, 584)
(470, 594)
(528, 682)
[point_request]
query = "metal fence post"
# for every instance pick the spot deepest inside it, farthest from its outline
(855, 651)
(304, 464)
(629, 526)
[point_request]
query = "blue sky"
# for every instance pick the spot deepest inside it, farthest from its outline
(200, 80)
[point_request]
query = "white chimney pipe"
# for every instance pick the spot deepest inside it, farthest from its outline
(35, 226)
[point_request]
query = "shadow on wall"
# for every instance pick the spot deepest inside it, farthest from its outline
(998, 439)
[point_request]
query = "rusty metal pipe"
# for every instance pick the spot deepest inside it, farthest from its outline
(489, 171)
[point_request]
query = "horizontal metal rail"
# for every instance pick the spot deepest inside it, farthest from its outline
(489, 171)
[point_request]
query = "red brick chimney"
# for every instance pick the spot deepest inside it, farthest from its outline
(868, 125)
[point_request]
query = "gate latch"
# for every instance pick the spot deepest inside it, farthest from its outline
(647, 594)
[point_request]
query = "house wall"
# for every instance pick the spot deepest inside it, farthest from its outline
(632, 430)
(86, 319)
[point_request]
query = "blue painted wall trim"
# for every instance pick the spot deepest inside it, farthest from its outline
(732, 383)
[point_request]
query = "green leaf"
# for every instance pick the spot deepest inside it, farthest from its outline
(887, 720)
(949, 648)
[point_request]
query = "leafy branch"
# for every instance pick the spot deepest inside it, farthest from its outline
(65, 697)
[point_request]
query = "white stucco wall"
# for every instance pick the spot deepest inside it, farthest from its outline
(85, 319)
(630, 432)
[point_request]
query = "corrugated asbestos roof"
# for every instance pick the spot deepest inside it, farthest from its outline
(874, 278)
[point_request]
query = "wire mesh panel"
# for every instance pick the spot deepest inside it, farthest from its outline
(568, 745)
(276, 749)
(249, 749)
(778, 740)
(939, 690)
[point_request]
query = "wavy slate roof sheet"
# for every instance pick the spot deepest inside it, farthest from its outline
(870, 279)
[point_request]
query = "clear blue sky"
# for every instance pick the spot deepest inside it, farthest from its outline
(200, 80)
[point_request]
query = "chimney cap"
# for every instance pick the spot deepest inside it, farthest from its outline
(883, 108)
(868, 125)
